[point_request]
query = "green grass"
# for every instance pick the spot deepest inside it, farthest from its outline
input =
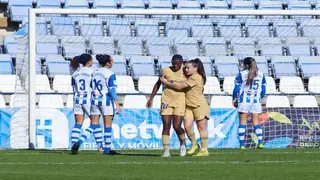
(271, 164)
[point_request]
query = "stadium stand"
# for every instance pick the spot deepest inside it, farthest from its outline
(285, 50)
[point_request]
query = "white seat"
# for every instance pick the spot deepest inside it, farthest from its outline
(228, 84)
(314, 84)
(271, 86)
(2, 102)
(277, 101)
(62, 84)
(146, 83)
(305, 101)
(18, 100)
(42, 83)
(156, 103)
(291, 85)
(125, 84)
(8, 83)
(50, 101)
(135, 101)
(70, 101)
(212, 86)
(221, 102)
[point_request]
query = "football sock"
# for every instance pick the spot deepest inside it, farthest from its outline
(204, 140)
(182, 139)
(191, 137)
(107, 139)
(97, 133)
(75, 133)
(166, 142)
(258, 130)
(86, 134)
(242, 132)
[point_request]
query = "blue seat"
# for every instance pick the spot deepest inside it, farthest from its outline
(216, 4)
(119, 30)
(5, 57)
(119, 68)
(58, 68)
(141, 59)
(103, 4)
(102, 45)
(6, 67)
(286, 28)
(310, 66)
(258, 28)
(159, 46)
(142, 69)
(160, 4)
(227, 69)
(54, 57)
(226, 60)
(283, 66)
(53, 4)
(271, 46)
(299, 50)
(47, 39)
(188, 47)
(11, 49)
(230, 28)
(207, 63)
(270, 4)
(76, 4)
(136, 4)
(243, 5)
(44, 49)
(17, 13)
(145, 30)
(91, 27)
(73, 49)
(202, 30)
(243, 47)
(215, 46)
(184, 4)
(299, 5)
(310, 27)
(63, 29)
(130, 45)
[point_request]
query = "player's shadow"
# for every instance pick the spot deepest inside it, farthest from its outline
(138, 154)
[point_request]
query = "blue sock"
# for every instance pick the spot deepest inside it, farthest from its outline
(258, 130)
(107, 139)
(242, 132)
(97, 133)
(75, 133)
(86, 134)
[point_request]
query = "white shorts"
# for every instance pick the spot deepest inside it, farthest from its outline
(250, 108)
(81, 109)
(102, 110)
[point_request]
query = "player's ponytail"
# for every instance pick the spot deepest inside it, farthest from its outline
(75, 63)
(251, 65)
(197, 63)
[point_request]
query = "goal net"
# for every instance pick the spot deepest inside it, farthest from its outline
(142, 42)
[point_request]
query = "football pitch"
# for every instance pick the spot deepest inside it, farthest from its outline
(222, 164)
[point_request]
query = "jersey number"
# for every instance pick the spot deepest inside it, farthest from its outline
(97, 85)
(254, 85)
(82, 84)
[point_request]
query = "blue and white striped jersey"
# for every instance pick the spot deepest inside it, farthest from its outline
(81, 82)
(103, 82)
(252, 93)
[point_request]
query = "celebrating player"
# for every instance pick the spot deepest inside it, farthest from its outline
(250, 87)
(104, 96)
(81, 80)
(172, 105)
(197, 107)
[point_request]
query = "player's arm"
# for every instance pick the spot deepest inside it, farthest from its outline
(112, 84)
(179, 85)
(73, 84)
(236, 89)
(154, 92)
(263, 87)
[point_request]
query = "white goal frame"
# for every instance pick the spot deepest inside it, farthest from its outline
(32, 38)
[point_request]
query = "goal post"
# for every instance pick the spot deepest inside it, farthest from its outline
(32, 38)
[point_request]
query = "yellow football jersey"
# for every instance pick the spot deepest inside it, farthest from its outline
(195, 97)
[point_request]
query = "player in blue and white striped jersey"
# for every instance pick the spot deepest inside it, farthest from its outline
(81, 82)
(104, 96)
(249, 89)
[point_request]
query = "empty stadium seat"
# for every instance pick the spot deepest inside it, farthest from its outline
(277, 101)
(188, 47)
(62, 84)
(207, 64)
(286, 28)
(117, 30)
(271, 85)
(203, 30)
(243, 47)
(262, 64)
(230, 28)
(50, 101)
(91, 27)
(314, 84)
(216, 4)
(44, 49)
(52, 4)
(159, 46)
(125, 84)
(18, 9)
(243, 5)
(258, 27)
(18, 100)
(8, 83)
(2, 102)
(73, 49)
(42, 84)
(158, 4)
(309, 26)
(228, 84)
(130, 45)
(52, 57)
(310, 66)
(62, 26)
(6, 67)
(102, 45)
(299, 5)
(215, 46)
(212, 86)
(221, 102)
(271, 46)
(147, 27)
(291, 85)
(146, 83)
(58, 68)
(283, 66)
(70, 101)
(298, 46)
(137, 4)
(183, 4)
(305, 102)
(134, 101)
(76, 4)
(270, 4)
(142, 66)
(103, 4)
(227, 69)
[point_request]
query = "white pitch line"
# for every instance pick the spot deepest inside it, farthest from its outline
(160, 162)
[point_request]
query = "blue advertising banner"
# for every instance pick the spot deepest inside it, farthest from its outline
(132, 129)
